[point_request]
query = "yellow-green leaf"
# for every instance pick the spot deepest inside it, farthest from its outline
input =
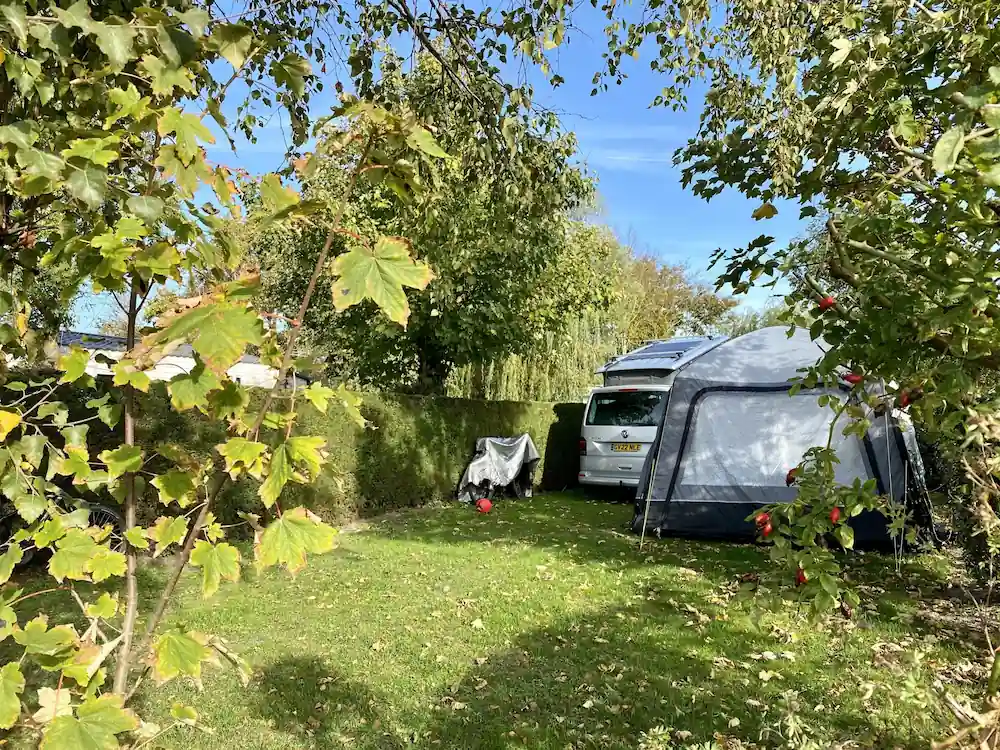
(9, 561)
(178, 652)
(126, 373)
(217, 561)
(105, 607)
(279, 471)
(190, 391)
(136, 536)
(218, 331)
(11, 687)
(948, 149)
(188, 131)
(184, 714)
(421, 139)
(88, 185)
(106, 563)
(175, 486)
(275, 196)
(232, 40)
(380, 275)
(241, 455)
(121, 460)
(841, 51)
(74, 364)
(291, 537)
(9, 420)
(72, 556)
(166, 531)
(318, 395)
(291, 71)
(96, 725)
(38, 639)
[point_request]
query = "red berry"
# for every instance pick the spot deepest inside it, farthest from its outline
(800, 577)
(826, 303)
(790, 477)
(767, 530)
(762, 519)
(853, 378)
(835, 515)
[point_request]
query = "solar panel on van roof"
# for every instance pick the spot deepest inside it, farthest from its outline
(661, 355)
(667, 347)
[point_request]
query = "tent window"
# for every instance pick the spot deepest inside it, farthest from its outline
(753, 439)
(627, 408)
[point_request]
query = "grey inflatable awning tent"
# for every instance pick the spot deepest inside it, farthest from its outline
(731, 431)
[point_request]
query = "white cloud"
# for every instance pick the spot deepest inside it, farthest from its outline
(629, 132)
(653, 159)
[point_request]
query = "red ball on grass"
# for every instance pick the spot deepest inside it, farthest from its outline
(483, 505)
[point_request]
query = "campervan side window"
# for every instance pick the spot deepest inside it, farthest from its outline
(627, 408)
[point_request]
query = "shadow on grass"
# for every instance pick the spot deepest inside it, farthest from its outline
(588, 530)
(595, 681)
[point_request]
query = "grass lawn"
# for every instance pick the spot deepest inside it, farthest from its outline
(540, 625)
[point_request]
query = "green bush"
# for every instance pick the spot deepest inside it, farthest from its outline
(413, 453)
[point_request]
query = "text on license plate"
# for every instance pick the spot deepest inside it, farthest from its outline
(624, 447)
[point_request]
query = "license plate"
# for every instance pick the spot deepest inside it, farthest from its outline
(624, 447)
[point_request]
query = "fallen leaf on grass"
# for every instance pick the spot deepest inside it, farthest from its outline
(477, 624)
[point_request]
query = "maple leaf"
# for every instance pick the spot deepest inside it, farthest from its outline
(291, 537)
(241, 455)
(11, 687)
(178, 652)
(175, 486)
(379, 275)
(95, 726)
(166, 531)
(217, 561)
(122, 460)
(218, 331)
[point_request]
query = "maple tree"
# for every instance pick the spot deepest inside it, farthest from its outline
(103, 151)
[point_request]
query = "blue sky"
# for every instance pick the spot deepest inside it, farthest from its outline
(626, 144)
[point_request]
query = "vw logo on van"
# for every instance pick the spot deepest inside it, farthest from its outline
(624, 433)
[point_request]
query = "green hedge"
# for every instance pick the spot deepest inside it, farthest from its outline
(415, 452)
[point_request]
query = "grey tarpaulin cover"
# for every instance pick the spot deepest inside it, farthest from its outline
(499, 463)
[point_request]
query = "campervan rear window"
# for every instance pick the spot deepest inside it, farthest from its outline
(626, 408)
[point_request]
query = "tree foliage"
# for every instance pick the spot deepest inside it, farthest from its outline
(883, 120)
(646, 300)
(102, 151)
(495, 228)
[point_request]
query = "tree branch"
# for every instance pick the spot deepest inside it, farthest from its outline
(220, 477)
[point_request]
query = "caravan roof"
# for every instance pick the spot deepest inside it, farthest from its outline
(654, 361)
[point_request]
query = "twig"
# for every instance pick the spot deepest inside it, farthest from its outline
(418, 30)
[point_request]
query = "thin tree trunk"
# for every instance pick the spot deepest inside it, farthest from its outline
(220, 477)
(131, 588)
